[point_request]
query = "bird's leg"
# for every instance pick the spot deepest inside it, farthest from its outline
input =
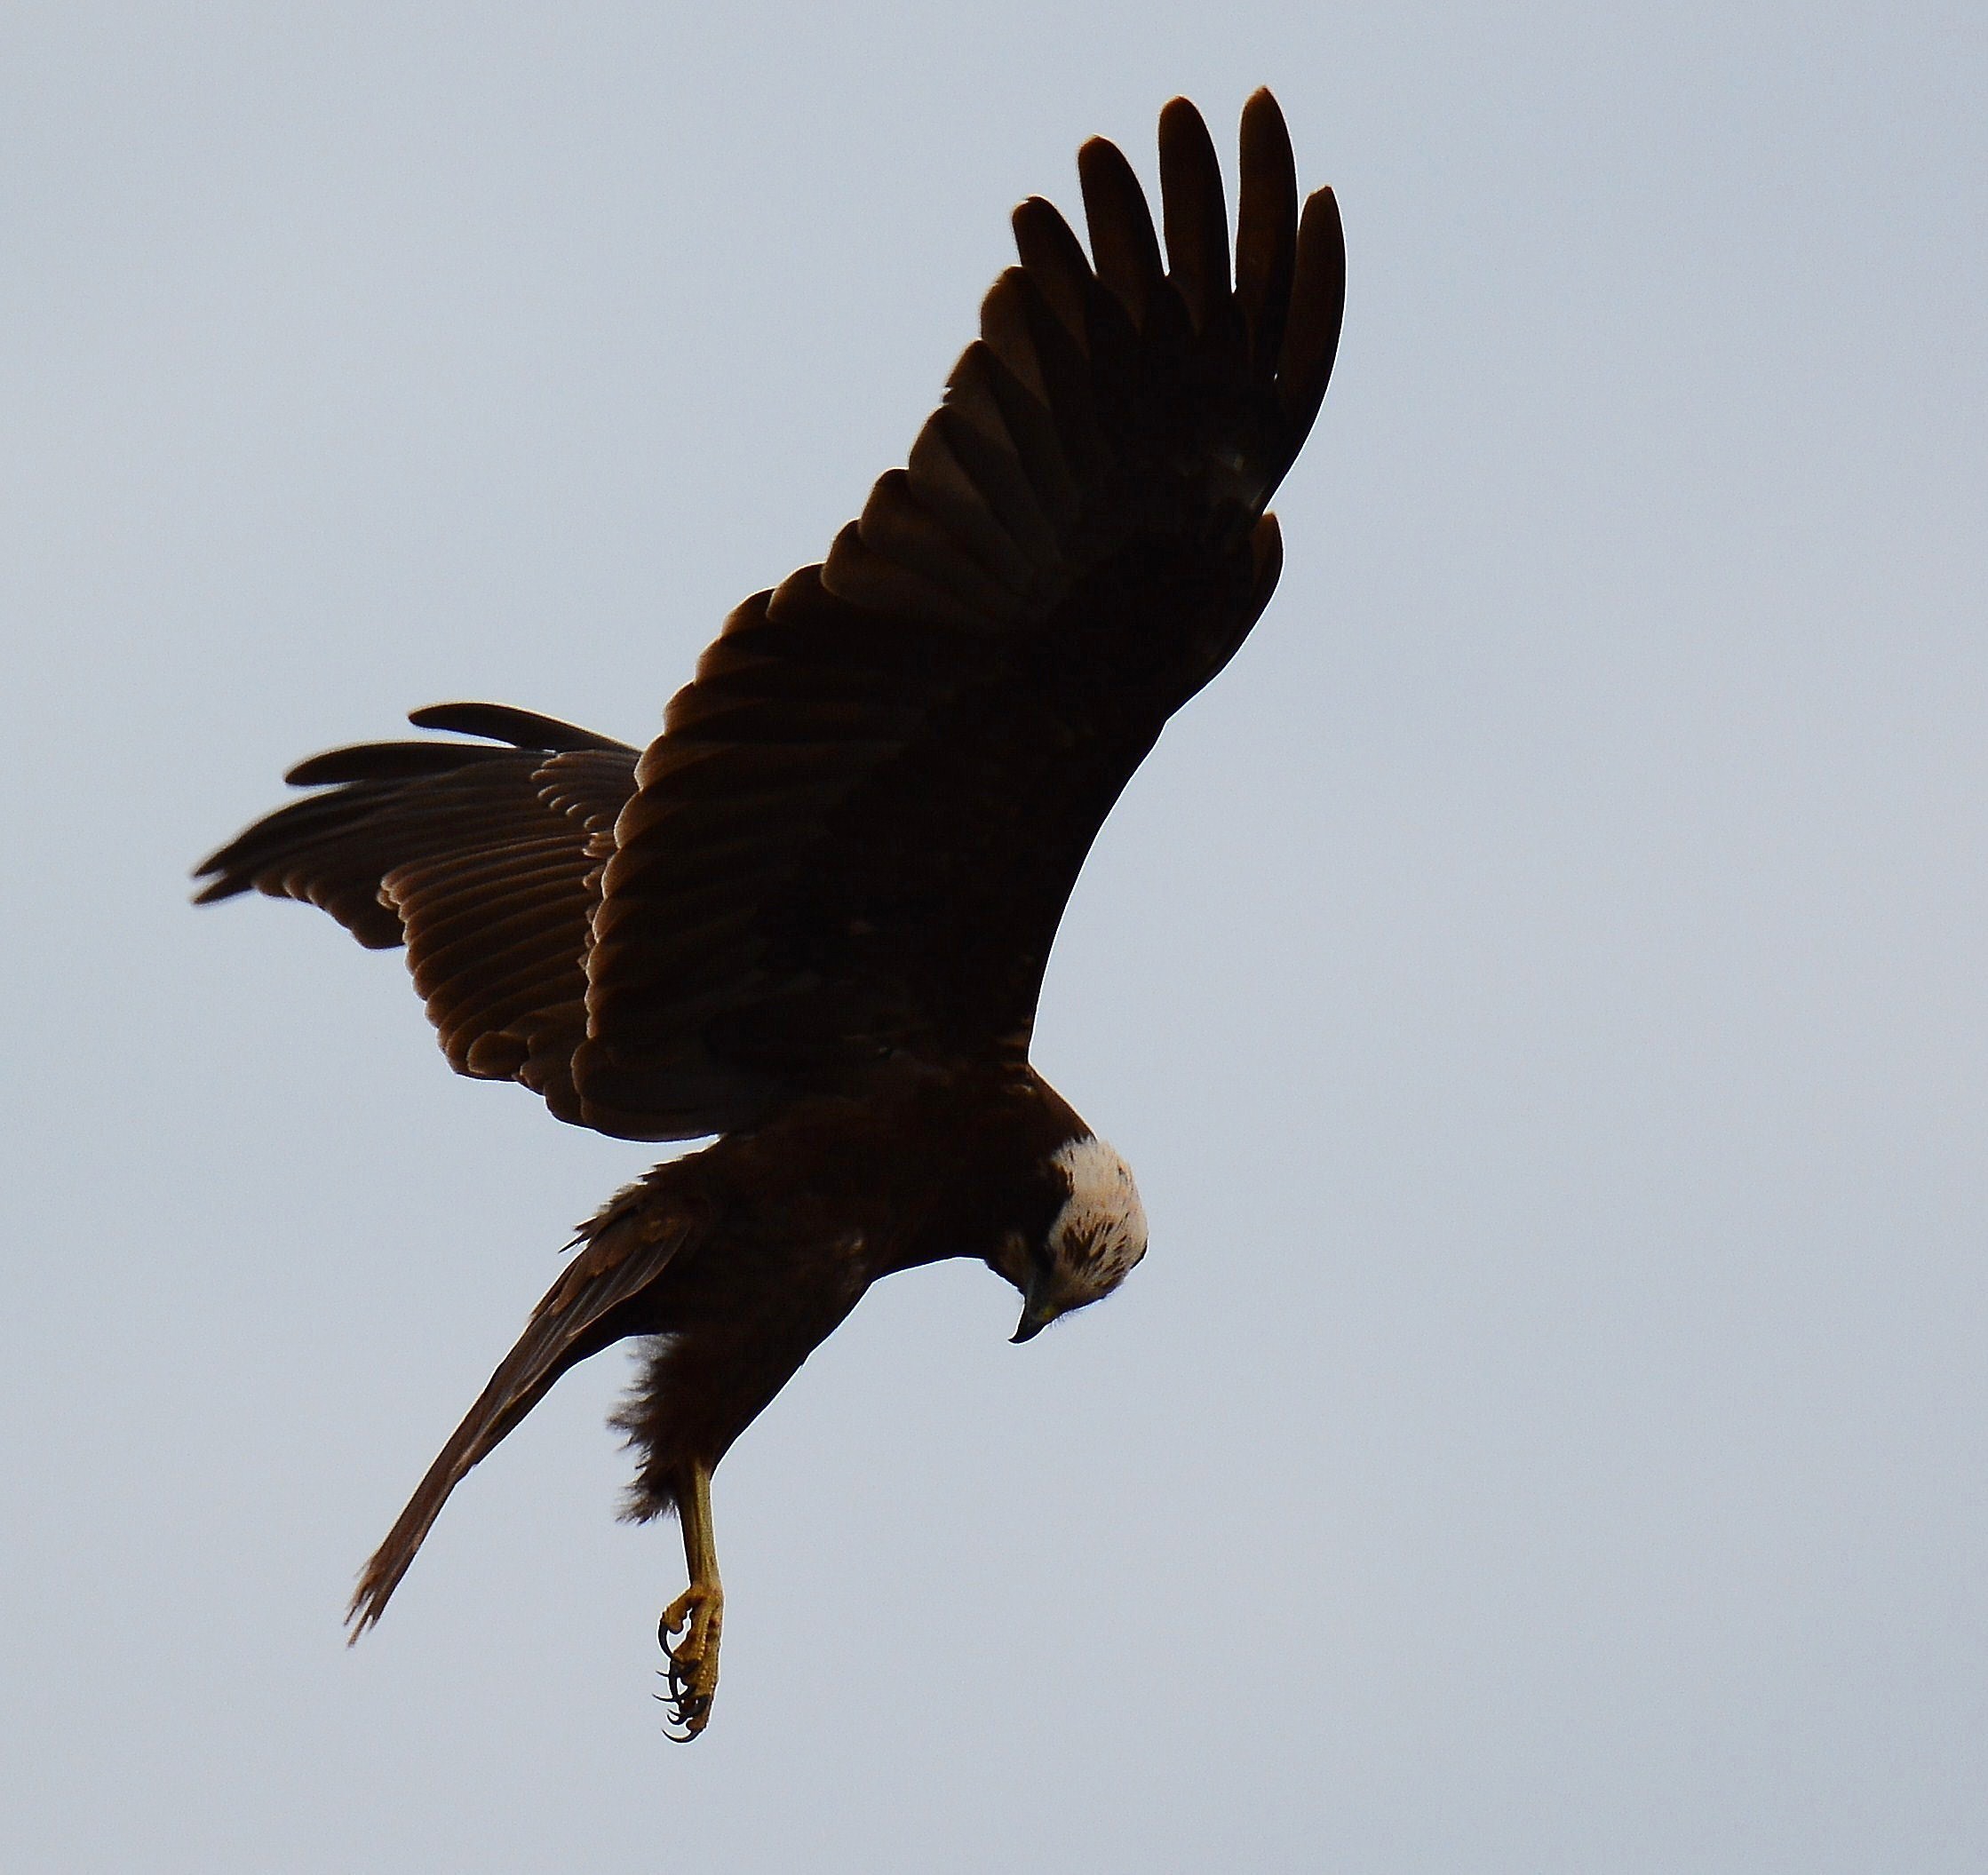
(699, 1612)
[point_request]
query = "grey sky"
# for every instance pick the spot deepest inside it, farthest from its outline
(1540, 985)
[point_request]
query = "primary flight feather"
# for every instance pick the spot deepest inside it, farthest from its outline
(811, 917)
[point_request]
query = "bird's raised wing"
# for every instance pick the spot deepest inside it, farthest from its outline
(856, 837)
(484, 859)
(856, 834)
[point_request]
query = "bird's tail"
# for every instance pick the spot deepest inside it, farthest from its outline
(625, 1248)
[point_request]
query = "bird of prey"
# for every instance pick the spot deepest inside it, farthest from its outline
(811, 917)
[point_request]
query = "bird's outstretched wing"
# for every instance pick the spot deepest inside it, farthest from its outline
(483, 858)
(856, 834)
(856, 837)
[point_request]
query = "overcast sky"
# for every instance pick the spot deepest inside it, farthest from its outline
(1540, 985)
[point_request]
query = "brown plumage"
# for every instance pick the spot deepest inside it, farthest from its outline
(812, 917)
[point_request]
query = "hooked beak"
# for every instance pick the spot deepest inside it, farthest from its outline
(1038, 1311)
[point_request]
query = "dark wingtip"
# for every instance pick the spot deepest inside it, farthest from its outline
(1311, 337)
(1125, 250)
(1192, 209)
(387, 762)
(494, 721)
(1265, 228)
(1260, 101)
(521, 729)
(1053, 257)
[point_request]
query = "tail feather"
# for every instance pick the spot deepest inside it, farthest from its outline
(626, 1247)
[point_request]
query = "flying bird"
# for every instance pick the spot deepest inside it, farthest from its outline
(811, 917)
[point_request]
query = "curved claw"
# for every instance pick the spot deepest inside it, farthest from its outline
(692, 1673)
(685, 1717)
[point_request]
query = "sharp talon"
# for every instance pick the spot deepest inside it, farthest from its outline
(692, 1672)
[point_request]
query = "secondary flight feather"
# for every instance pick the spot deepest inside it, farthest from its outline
(811, 917)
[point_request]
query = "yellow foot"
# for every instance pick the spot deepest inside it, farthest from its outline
(692, 1669)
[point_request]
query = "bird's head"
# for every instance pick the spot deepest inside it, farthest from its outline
(1096, 1233)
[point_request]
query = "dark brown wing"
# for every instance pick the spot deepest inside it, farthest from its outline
(485, 861)
(857, 833)
(623, 1249)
